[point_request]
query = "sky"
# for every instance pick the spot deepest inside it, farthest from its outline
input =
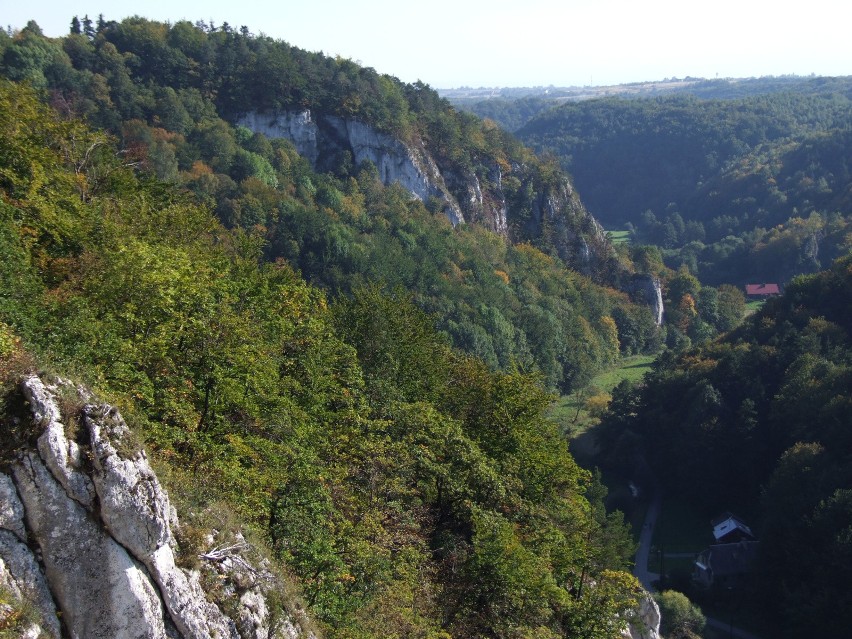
(510, 43)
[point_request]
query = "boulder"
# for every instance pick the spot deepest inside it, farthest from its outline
(22, 578)
(100, 589)
(86, 530)
(645, 622)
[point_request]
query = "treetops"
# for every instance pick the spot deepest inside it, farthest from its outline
(411, 488)
(163, 91)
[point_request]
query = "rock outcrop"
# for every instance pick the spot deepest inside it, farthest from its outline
(86, 538)
(645, 623)
(554, 211)
(646, 289)
(322, 140)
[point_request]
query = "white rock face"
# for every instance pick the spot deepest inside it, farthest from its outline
(646, 623)
(100, 589)
(254, 615)
(412, 168)
(21, 576)
(296, 126)
(134, 507)
(20, 573)
(11, 509)
(135, 510)
(62, 456)
(99, 528)
(465, 196)
(648, 290)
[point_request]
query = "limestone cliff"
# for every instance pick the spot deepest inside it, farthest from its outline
(87, 537)
(531, 212)
(323, 139)
(577, 236)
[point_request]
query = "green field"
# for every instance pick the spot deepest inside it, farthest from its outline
(631, 368)
(569, 410)
(564, 410)
(752, 306)
(619, 237)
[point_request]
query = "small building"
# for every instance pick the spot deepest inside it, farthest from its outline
(730, 558)
(729, 528)
(724, 565)
(762, 290)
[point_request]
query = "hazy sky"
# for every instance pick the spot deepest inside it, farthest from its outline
(452, 43)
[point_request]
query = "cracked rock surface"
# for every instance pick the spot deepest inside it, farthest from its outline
(86, 538)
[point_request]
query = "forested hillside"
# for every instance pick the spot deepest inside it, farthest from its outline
(169, 93)
(282, 340)
(744, 189)
(410, 489)
(759, 422)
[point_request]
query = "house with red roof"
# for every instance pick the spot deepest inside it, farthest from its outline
(762, 290)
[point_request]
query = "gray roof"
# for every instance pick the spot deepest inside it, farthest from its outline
(732, 559)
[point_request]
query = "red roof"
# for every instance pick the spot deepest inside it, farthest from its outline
(762, 289)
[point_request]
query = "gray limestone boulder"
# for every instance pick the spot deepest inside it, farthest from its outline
(100, 589)
(136, 511)
(86, 530)
(11, 509)
(21, 577)
(63, 456)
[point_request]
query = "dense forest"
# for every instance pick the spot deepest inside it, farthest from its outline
(364, 385)
(166, 92)
(270, 333)
(759, 422)
(734, 187)
(745, 183)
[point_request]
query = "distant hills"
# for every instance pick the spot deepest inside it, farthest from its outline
(496, 102)
(738, 179)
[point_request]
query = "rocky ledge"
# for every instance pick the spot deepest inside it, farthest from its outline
(87, 544)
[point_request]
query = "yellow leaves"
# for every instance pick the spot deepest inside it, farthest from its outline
(609, 330)
(596, 405)
(8, 340)
(503, 275)
(698, 365)
(198, 169)
(686, 311)
(534, 256)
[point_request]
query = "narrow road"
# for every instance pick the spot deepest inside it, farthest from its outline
(640, 569)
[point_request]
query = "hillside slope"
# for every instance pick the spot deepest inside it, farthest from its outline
(725, 186)
(410, 489)
(527, 276)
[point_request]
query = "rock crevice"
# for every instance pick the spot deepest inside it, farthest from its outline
(86, 535)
